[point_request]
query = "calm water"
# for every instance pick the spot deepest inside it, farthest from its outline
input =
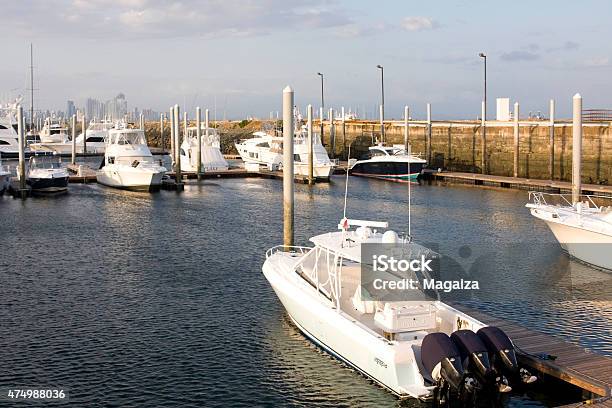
(130, 299)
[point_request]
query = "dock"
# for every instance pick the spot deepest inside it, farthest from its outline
(590, 372)
(549, 186)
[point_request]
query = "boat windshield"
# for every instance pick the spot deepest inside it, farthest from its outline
(128, 138)
(45, 162)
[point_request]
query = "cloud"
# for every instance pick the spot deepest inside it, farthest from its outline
(519, 56)
(358, 30)
(167, 19)
(567, 46)
(597, 62)
(418, 23)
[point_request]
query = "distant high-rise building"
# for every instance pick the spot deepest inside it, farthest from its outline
(70, 108)
(94, 109)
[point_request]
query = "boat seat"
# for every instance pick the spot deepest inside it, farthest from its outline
(396, 317)
(362, 306)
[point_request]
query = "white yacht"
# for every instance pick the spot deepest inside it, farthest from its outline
(97, 132)
(212, 158)
(583, 229)
(5, 177)
(53, 138)
(128, 162)
(9, 145)
(388, 163)
(45, 174)
(266, 149)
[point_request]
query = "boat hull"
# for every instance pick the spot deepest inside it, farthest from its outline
(583, 244)
(392, 170)
(48, 185)
(318, 171)
(128, 179)
(393, 366)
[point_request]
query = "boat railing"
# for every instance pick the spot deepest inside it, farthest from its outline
(299, 250)
(540, 198)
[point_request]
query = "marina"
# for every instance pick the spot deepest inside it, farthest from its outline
(305, 204)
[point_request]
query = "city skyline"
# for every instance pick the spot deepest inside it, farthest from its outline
(238, 59)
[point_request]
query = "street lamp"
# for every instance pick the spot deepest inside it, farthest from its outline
(382, 106)
(484, 113)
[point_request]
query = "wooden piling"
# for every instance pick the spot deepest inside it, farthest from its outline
(161, 132)
(199, 136)
(428, 142)
(516, 139)
(576, 147)
(21, 142)
(172, 137)
(177, 143)
(310, 152)
(483, 141)
(551, 141)
(84, 128)
(332, 133)
(406, 113)
(73, 150)
(288, 166)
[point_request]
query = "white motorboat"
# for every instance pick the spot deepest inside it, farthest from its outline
(45, 174)
(583, 229)
(412, 348)
(388, 163)
(5, 177)
(53, 138)
(9, 145)
(266, 149)
(97, 133)
(212, 158)
(128, 162)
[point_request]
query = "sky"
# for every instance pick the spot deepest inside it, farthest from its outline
(241, 54)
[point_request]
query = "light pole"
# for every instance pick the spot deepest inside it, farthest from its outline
(322, 106)
(484, 114)
(382, 106)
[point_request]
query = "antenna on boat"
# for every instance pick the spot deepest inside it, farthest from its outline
(409, 195)
(348, 159)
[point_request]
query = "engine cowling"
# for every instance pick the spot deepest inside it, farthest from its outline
(442, 359)
(474, 354)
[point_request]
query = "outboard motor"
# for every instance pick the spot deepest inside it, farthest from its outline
(475, 360)
(442, 360)
(503, 355)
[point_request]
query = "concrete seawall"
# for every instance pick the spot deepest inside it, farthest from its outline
(456, 146)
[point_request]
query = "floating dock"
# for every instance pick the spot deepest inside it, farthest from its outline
(590, 372)
(549, 186)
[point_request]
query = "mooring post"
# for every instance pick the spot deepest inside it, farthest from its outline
(576, 148)
(428, 147)
(21, 142)
(516, 139)
(343, 131)
(199, 136)
(381, 112)
(161, 132)
(141, 119)
(406, 113)
(73, 141)
(483, 142)
(83, 125)
(321, 121)
(288, 166)
(551, 141)
(172, 134)
(177, 143)
(310, 154)
(332, 133)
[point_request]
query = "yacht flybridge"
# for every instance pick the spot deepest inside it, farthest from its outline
(388, 163)
(416, 349)
(583, 229)
(128, 162)
(266, 149)
(53, 138)
(212, 158)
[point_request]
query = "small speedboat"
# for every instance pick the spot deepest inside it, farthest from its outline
(583, 229)
(128, 162)
(45, 174)
(212, 158)
(388, 163)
